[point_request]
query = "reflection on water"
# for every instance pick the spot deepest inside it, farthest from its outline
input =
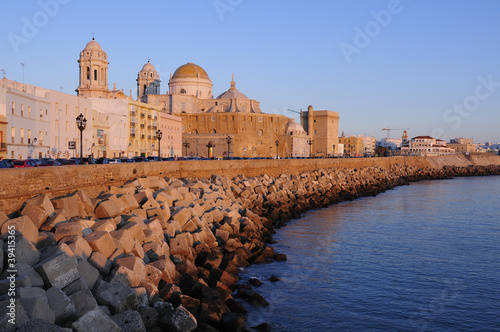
(420, 257)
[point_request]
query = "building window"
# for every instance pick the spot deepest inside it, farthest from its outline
(13, 108)
(183, 91)
(95, 74)
(22, 110)
(213, 118)
(40, 135)
(13, 134)
(88, 73)
(260, 119)
(22, 136)
(29, 111)
(29, 136)
(41, 113)
(214, 131)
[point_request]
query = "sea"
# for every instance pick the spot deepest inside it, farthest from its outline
(423, 257)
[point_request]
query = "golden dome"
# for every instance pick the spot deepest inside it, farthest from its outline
(190, 70)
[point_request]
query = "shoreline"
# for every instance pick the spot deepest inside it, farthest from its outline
(171, 248)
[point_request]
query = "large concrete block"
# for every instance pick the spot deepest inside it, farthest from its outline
(129, 202)
(62, 306)
(25, 270)
(37, 215)
(107, 225)
(133, 263)
(124, 275)
(41, 325)
(149, 317)
(32, 293)
(78, 245)
(70, 204)
(181, 320)
(108, 209)
(88, 273)
(118, 297)
(84, 302)
(86, 202)
(101, 263)
(42, 201)
(95, 321)
(156, 227)
(12, 314)
(75, 286)
(136, 227)
(24, 225)
(37, 308)
(69, 228)
(102, 242)
(181, 215)
(57, 217)
(26, 252)
(129, 321)
(125, 239)
(58, 270)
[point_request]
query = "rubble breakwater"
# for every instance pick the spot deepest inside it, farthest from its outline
(162, 254)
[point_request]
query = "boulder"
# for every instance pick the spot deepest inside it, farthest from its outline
(58, 270)
(24, 225)
(129, 321)
(37, 214)
(102, 242)
(62, 306)
(179, 320)
(95, 321)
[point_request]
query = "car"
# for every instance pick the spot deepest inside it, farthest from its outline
(23, 163)
(139, 159)
(114, 161)
(103, 160)
(71, 162)
(154, 158)
(89, 161)
(5, 164)
(49, 162)
(126, 160)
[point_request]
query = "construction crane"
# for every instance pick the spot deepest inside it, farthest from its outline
(289, 110)
(389, 130)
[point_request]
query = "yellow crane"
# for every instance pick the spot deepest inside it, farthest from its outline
(389, 130)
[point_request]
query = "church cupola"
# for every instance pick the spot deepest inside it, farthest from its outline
(93, 64)
(148, 82)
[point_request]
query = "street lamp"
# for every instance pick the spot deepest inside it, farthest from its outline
(81, 123)
(277, 144)
(186, 145)
(310, 142)
(159, 134)
(228, 141)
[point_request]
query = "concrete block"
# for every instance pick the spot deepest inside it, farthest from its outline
(26, 252)
(168, 270)
(32, 293)
(153, 274)
(11, 312)
(133, 263)
(41, 325)
(58, 270)
(95, 321)
(86, 203)
(129, 202)
(156, 227)
(88, 273)
(101, 263)
(150, 236)
(136, 227)
(78, 245)
(42, 201)
(151, 203)
(37, 308)
(24, 225)
(62, 306)
(70, 204)
(69, 228)
(118, 297)
(76, 286)
(106, 225)
(149, 317)
(46, 239)
(84, 302)
(102, 242)
(153, 250)
(171, 228)
(5, 284)
(190, 226)
(181, 320)
(137, 250)
(162, 197)
(124, 238)
(181, 215)
(57, 217)
(108, 209)
(23, 269)
(37, 215)
(129, 321)
(124, 275)
(142, 296)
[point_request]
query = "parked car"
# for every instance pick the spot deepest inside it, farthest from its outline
(23, 163)
(71, 162)
(114, 161)
(126, 160)
(5, 164)
(139, 159)
(103, 160)
(49, 162)
(154, 158)
(89, 161)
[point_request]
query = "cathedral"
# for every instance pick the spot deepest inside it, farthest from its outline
(229, 123)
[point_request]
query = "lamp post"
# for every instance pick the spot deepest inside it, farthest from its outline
(228, 141)
(159, 134)
(186, 145)
(277, 144)
(310, 142)
(81, 123)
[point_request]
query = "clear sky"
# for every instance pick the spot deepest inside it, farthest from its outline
(432, 66)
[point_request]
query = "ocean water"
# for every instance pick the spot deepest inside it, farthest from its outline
(424, 257)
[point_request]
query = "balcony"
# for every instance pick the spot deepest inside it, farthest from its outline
(132, 134)
(142, 136)
(132, 113)
(149, 116)
(155, 117)
(132, 124)
(155, 127)
(142, 115)
(142, 125)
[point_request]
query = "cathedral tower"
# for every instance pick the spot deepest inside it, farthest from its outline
(93, 71)
(148, 82)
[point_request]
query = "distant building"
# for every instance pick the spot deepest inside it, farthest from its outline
(370, 144)
(426, 146)
(353, 146)
(463, 145)
(390, 143)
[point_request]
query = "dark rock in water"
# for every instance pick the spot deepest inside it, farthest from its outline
(235, 306)
(263, 327)
(243, 286)
(254, 282)
(243, 293)
(234, 322)
(280, 257)
(257, 300)
(274, 278)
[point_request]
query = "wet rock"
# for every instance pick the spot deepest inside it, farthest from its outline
(254, 282)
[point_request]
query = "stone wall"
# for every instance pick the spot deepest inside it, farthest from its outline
(17, 185)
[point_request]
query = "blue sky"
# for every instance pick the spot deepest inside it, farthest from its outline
(431, 66)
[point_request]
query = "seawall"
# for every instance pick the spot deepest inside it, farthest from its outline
(17, 185)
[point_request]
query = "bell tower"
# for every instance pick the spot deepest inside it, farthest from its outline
(148, 82)
(93, 64)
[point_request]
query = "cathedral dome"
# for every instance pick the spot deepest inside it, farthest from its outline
(190, 70)
(294, 128)
(148, 67)
(93, 45)
(233, 93)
